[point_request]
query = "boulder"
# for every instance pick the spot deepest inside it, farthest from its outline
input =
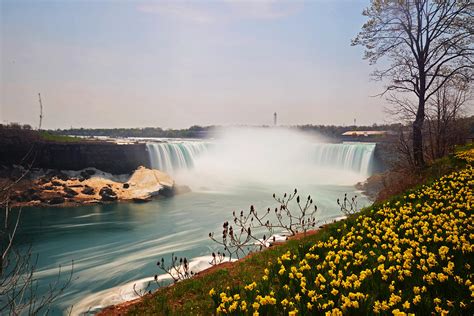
(126, 185)
(108, 198)
(144, 199)
(43, 180)
(29, 195)
(62, 176)
(107, 190)
(85, 175)
(93, 202)
(166, 191)
(57, 200)
(70, 191)
(146, 183)
(76, 185)
(90, 172)
(107, 194)
(88, 190)
(56, 183)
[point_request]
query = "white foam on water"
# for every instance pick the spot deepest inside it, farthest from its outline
(129, 291)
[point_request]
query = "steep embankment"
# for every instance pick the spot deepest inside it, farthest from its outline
(412, 254)
(67, 153)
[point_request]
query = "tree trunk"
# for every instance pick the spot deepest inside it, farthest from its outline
(418, 134)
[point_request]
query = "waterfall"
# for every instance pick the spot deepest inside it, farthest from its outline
(351, 156)
(171, 156)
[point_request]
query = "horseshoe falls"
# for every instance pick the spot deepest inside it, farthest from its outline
(352, 156)
(171, 156)
(357, 157)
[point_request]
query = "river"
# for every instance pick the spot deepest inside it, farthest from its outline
(117, 245)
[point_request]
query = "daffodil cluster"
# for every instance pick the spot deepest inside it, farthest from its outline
(467, 155)
(413, 255)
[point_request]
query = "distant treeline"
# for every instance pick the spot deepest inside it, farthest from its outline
(192, 132)
(330, 131)
(335, 132)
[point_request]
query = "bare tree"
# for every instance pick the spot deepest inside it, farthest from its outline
(443, 112)
(348, 206)
(427, 43)
(178, 270)
(245, 234)
(41, 112)
(18, 287)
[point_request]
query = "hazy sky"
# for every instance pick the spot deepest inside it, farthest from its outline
(175, 63)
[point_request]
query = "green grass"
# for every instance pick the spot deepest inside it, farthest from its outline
(446, 164)
(58, 138)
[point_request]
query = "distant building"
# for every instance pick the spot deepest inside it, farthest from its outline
(275, 119)
(365, 133)
(369, 136)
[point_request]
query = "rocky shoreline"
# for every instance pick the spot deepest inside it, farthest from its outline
(372, 186)
(54, 188)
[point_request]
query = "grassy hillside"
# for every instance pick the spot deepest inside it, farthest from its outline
(45, 135)
(412, 254)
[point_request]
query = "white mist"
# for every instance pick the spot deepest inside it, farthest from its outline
(276, 156)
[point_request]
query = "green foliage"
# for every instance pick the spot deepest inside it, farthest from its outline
(192, 132)
(58, 138)
(329, 131)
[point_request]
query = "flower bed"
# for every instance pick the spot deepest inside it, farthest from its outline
(409, 256)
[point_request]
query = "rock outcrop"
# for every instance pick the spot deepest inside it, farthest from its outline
(70, 188)
(146, 183)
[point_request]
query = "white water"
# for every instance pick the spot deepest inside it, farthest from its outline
(129, 291)
(171, 156)
(257, 155)
(351, 156)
